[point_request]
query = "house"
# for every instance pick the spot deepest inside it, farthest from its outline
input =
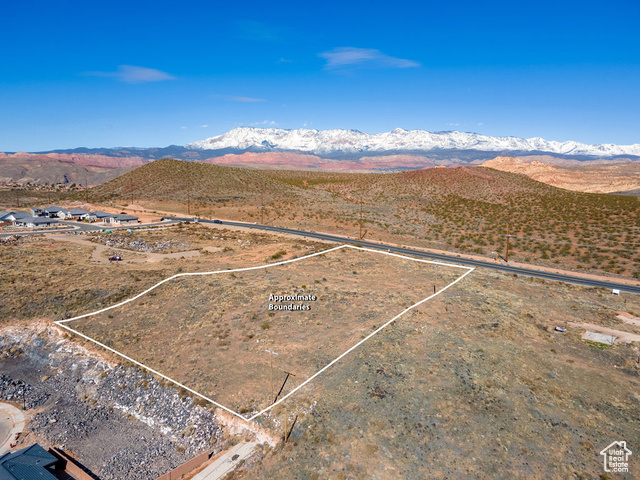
(118, 219)
(36, 463)
(4, 221)
(36, 212)
(99, 216)
(63, 214)
(54, 211)
(18, 219)
(78, 213)
(43, 222)
(31, 462)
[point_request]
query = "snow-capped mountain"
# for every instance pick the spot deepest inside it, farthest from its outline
(327, 142)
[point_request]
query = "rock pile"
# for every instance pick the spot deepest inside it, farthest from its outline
(21, 393)
(119, 421)
(120, 240)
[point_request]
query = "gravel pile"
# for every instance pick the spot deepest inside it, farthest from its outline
(118, 421)
(19, 392)
(118, 240)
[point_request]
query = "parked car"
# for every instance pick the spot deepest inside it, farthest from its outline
(115, 258)
(217, 221)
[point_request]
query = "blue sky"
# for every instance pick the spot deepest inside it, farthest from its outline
(154, 73)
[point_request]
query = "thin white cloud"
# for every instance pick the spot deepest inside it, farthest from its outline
(134, 74)
(239, 98)
(246, 99)
(342, 57)
(183, 127)
(204, 126)
(264, 122)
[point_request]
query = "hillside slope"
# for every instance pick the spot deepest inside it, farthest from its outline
(465, 209)
(66, 169)
(602, 178)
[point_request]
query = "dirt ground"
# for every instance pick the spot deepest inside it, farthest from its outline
(474, 384)
(211, 332)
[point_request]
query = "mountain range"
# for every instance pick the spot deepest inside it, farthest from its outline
(337, 142)
(306, 149)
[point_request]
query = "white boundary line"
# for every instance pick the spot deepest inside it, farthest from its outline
(62, 322)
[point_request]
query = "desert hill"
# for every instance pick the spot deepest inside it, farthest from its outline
(465, 209)
(32, 168)
(591, 178)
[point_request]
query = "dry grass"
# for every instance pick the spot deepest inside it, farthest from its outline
(210, 332)
(464, 209)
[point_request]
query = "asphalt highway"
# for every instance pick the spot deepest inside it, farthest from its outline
(503, 267)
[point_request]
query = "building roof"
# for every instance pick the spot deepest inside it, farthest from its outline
(53, 209)
(78, 211)
(100, 214)
(125, 217)
(4, 214)
(44, 221)
(26, 219)
(17, 217)
(27, 464)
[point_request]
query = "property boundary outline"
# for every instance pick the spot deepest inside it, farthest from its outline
(61, 323)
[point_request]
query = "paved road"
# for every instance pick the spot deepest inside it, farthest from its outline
(610, 284)
(226, 462)
(11, 423)
(435, 256)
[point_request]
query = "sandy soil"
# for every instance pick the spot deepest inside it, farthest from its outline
(210, 333)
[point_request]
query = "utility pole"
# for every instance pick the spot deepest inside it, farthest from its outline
(271, 370)
(86, 187)
(289, 374)
(436, 281)
(18, 198)
(131, 188)
(262, 209)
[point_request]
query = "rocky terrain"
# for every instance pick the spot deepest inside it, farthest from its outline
(594, 178)
(118, 421)
(128, 241)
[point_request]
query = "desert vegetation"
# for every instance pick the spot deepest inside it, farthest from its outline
(466, 209)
